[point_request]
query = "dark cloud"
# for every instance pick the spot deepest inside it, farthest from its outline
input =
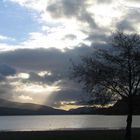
(125, 25)
(52, 59)
(72, 8)
(6, 70)
(5, 88)
(66, 8)
(6, 91)
(2, 77)
(104, 1)
(46, 79)
(36, 60)
(70, 36)
(70, 91)
(129, 22)
(97, 37)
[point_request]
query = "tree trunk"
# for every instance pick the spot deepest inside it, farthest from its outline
(128, 134)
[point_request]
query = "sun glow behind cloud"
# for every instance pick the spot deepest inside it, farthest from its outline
(36, 88)
(67, 105)
(35, 92)
(23, 75)
(43, 73)
(25, 98)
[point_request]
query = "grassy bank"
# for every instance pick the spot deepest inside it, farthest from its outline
(69, 135)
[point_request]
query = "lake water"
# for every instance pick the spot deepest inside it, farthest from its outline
(64, 122)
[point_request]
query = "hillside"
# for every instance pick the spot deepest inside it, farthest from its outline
(15, 108)
(120, 108)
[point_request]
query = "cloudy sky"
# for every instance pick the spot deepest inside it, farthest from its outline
(38, 38)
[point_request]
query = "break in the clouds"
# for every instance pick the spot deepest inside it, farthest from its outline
(39, 38)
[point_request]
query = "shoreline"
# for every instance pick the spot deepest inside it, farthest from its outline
(67, 129)
(68, 135)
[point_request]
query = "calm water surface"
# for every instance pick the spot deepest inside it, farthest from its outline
(62, 122)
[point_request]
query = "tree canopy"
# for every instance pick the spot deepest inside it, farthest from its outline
(113, 73)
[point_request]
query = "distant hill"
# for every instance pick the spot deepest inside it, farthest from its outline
(15, 108)
(120, 108)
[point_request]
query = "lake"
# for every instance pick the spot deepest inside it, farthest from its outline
(64, 122)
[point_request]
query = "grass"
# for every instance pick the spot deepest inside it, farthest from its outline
(69, 135)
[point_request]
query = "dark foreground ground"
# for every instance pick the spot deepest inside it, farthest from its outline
(69, 135)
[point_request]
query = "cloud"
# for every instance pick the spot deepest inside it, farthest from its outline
(45, 71)
(70, 96)
(73, 8)
(2, 38)
(23, 75)
(6, 90)
(132, 3)
(36, 59)
(70, 23)
(25, 98)
(133, 0)
(52, 59)
(74, 16)
(98, 38)
(70, 91)
(70, 36)
(46, 40)
(45, 67)
(45, 79)
(6, 70)
(130, 22)
(55, 38)
(104, 1)
(125, 25)
(65, 8)
(21, 89)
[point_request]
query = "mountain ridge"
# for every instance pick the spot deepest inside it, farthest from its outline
(16, 108)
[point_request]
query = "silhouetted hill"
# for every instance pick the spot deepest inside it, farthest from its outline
(120, 108)
(15, 108)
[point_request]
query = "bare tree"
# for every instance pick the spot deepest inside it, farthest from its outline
(114, 72)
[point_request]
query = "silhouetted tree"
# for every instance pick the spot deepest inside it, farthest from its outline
(113, 73)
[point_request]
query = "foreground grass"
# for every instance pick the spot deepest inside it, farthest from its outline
(69, 135)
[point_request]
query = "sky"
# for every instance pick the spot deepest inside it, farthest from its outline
(39, 38)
